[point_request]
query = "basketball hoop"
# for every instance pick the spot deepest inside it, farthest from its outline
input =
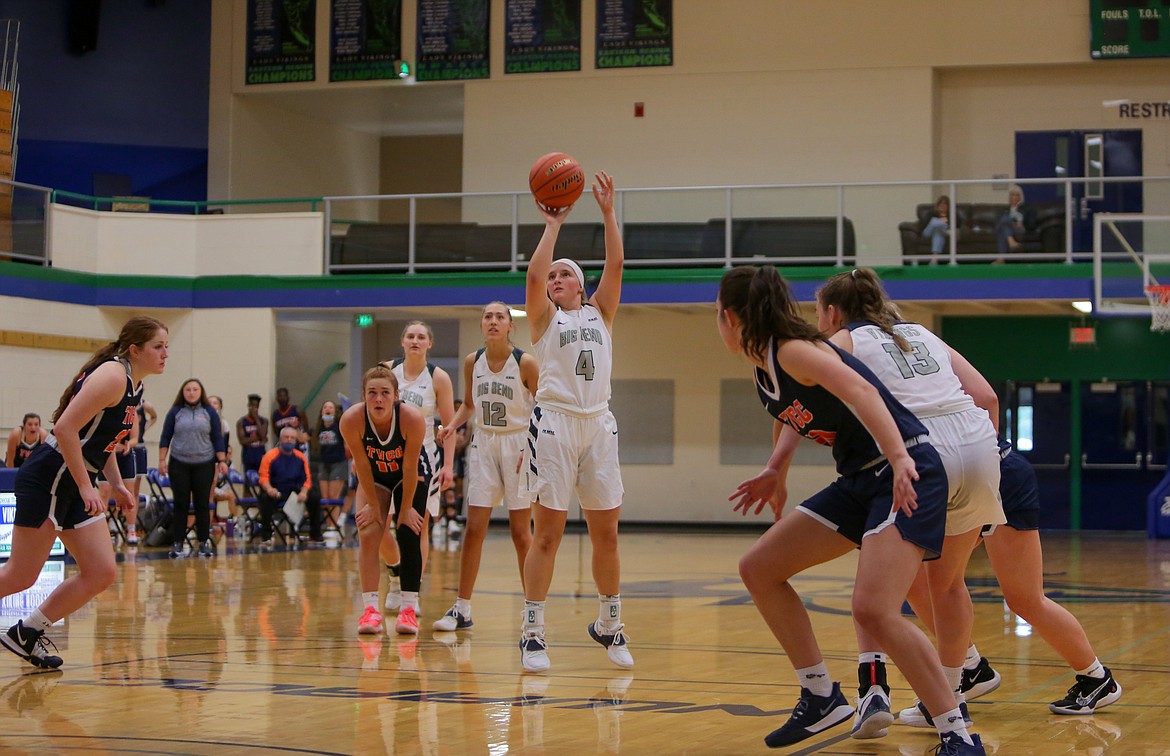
(1159, 296)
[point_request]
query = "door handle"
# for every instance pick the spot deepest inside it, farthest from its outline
(1052, 466)
(1087, 465)
(1084, 212)
(1151, 465)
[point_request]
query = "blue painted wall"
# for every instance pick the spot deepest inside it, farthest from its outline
(136, 105)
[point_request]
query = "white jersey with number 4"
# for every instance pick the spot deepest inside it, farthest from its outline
(421, 393)
(921, 379)
(502, 403)
(576, 359)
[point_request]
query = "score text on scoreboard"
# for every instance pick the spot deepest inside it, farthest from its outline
(1129, 29)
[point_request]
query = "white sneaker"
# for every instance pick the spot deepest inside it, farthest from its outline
(533, 651)
(452, 621)
(615, 645)
(394, 597)
(916, 715)
(873, 717)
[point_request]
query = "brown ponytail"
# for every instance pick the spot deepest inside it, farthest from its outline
(764, 303)
(136, 332)
(858, 294)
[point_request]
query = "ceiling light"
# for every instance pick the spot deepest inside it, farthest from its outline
(517, 313)
(1083, 305)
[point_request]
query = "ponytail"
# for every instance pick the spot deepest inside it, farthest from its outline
(764, 303)
(136, 332)
(858, 295)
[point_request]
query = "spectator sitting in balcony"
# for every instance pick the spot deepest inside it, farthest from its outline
(1014, 223)
(938, 226)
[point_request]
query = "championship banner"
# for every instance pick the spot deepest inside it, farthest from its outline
(452, 40)
(634, 33)
(542, 35)
(365, 40)
(281, 37)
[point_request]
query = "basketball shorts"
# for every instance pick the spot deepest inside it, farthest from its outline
(393, 494)
(46, 491)
(1021, 494)
(141, 465)
(967, 444)
(127, 467)
(433, 482)
(566, 454)
(493, 470)
(862, 503)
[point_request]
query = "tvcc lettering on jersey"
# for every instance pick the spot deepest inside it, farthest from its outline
(824, 438)
(796, 415)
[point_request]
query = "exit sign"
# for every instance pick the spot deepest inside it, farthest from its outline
(363, 319)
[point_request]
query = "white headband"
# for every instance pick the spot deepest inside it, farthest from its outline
(575, 268)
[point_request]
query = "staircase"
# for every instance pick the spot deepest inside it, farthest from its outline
(9, 115)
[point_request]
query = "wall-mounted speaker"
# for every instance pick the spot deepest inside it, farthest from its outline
(81, 25)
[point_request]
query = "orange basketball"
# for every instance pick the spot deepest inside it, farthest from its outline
(556, 180)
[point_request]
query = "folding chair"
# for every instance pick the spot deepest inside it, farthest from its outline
(158, 484)
(249, 503)
(330, 511)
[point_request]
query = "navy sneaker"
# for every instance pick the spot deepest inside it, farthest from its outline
(1087, 695)
(873, 714)
(31, 645)
(811, 715)
(953, 745)
(979, 681)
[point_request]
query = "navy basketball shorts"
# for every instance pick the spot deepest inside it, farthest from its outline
(127, 467)
(861, 503)
(1020, 493)
(141, 465)
(46, 491)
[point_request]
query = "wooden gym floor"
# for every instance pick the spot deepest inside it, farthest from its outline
(257, 653)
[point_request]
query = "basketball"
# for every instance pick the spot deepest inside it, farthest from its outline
(556, 180)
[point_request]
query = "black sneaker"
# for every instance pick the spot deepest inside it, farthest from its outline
(31, 645)
(979, 681)
(812, 714)
(206, 549)
(1087, 695)
(953, 745)
(176, 551)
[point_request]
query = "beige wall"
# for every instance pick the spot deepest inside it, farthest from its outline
(421, 165)
(304, 349)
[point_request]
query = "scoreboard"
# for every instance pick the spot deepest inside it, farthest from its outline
(1129, 29)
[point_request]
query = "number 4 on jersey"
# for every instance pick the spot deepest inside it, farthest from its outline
(585, 365)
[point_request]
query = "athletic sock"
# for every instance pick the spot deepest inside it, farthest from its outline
(1096, 670)
(370, 598)
(954, 676)
(410, 598)
(952, 721)
(463, 606)
(38, 621)
(609, 614)
(816, 679)
(533, 615)
(973, 658)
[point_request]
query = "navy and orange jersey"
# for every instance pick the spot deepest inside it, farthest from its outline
(289, 418)
(386, 454)
(24, 451)
(111, 424)
(814, 412)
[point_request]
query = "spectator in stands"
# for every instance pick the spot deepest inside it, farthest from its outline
(938, 226)
(284, 471)
(23, 440)
(290, 416)
(332, 465)
(192, 439)
(252, 433)
(1012, 226)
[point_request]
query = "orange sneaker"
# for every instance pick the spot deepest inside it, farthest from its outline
(407, 621)
(371, 622)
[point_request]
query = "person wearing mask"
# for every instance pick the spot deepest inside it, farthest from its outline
(191, 452)
(332, 466)
(283, 472)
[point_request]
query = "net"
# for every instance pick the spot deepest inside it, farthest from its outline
(1159, 296)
